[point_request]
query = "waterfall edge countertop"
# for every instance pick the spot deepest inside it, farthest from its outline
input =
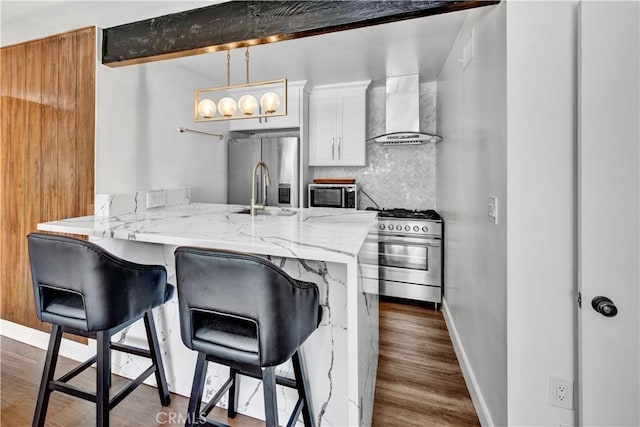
(334, 248)
(335, 235)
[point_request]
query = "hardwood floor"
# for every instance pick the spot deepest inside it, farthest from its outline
(21, 367)
(419, 382)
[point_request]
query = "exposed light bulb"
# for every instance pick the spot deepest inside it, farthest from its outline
(227, 106)
(206, 108)
(269, 102)
(248, 104)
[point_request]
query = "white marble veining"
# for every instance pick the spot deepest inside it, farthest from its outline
(117, 204)
(330, 247)
(321, 234)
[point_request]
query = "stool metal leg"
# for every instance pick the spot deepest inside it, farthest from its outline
(156, 358)
(195, 400)
(47, 376)
(232, 407)
(270, 401)
(303, 388)
(103, 368)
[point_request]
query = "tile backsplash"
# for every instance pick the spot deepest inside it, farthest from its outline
(395, 176)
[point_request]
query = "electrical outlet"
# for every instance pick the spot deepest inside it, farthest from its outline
(561, 392)
(156, 199)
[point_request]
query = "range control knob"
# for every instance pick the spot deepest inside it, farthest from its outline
(381, 226)
(416, 228)
(407, 228)
(390, 227)
(425, 228)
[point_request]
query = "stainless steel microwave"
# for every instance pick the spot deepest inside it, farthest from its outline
(333, 196)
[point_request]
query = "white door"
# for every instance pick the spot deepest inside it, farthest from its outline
(609, 214)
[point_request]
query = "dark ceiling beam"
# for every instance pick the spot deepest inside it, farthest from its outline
(245, 23)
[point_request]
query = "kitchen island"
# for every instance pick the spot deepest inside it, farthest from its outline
(334, 248)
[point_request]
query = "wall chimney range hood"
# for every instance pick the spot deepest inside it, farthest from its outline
(403, 113)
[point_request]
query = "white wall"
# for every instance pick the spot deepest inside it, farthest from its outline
(509, 122)
(138, 146)
(542, 266)
(471, 165)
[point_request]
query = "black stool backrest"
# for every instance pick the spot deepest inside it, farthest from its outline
(232, 285)
(80, 285)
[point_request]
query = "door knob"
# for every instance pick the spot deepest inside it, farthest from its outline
(604, 306)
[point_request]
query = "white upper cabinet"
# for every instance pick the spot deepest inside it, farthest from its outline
(337, 124)
(295, 94)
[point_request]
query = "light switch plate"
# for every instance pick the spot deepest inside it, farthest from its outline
(493, 210)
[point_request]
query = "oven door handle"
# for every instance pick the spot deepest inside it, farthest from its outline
(413, 241)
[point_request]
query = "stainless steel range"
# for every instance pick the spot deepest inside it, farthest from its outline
(410, 254)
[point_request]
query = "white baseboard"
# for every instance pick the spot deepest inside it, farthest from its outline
(39, 339)
(479, 403)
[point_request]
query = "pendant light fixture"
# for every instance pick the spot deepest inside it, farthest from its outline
(219, 103)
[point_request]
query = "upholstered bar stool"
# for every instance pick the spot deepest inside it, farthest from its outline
(244, 312)
(84, 290)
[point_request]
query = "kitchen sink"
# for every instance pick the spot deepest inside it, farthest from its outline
(269, 212)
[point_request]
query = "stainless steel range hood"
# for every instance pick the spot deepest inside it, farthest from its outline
(403, 113)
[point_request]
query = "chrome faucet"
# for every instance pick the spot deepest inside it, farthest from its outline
(255, 206)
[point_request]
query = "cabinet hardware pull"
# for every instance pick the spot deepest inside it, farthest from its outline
(333, 156)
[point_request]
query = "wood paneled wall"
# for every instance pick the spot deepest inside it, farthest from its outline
(46, 151)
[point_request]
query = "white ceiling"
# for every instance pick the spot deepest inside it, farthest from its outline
(418, 45)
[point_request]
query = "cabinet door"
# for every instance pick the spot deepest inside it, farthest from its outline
(351, 127)
(322, 126)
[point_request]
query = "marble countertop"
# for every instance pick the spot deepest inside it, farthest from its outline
(322, 234)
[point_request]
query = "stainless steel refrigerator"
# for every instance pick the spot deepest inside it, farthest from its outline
(281, 156)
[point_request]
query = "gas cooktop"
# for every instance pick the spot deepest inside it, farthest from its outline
(429, 214)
